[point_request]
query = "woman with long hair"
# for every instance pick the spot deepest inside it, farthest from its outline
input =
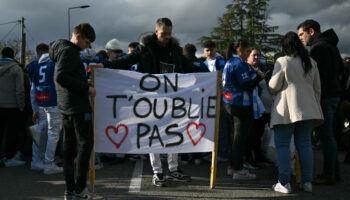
(296, 110)
(239, 81)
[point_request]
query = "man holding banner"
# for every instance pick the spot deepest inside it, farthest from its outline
(158, 53)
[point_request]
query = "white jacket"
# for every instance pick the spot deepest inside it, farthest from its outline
(297, 95)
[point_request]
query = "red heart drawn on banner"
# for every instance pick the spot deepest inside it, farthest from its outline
(197, 127)
(116, 130)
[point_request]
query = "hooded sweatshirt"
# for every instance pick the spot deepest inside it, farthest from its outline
(71, 83)
(11, 85)
(329, 62)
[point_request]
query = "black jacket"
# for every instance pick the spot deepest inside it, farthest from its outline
(70, 78)
(329, 62)
(149, 54)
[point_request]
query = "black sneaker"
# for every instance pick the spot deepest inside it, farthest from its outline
(178, 176)
(158, 180)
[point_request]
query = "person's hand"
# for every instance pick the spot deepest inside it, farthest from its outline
(36, 117)
(92, 91)
(90, 81)
(261, 74)
(100, 65)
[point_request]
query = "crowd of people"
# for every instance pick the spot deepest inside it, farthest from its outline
(301, 95)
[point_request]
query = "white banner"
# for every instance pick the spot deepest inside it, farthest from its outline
(146, 113)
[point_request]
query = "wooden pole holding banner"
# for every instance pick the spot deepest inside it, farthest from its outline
(216, 136)
(92, 158)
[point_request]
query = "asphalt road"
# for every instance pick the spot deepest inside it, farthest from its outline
(116, 182)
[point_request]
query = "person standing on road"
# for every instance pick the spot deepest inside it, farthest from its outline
(216, 62)
(241, 104)
(50, 117)
(255, 157)
(330, 65)
(12, 101)
(296, 109)
(158, 53)
(73, 102)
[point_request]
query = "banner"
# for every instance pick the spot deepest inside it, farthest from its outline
(154, 113)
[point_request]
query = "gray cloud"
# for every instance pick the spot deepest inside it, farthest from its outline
(127, 19)
(330, 14)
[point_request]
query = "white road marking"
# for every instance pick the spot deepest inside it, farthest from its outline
(135, 183)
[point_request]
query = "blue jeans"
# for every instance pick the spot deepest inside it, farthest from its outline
(326, 134)
(302, 137)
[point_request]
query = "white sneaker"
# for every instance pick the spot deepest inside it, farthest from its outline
(243, 175)
(307, 187)
(52, 169)
(286, 189)
(13, 162)
(229, 171)
(38, 165)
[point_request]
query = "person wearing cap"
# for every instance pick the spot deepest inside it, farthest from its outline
(114, 50)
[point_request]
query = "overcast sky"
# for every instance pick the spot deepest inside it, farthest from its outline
(47, 20)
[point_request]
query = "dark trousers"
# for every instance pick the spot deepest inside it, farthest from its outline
(254, 142)
(77, 130)
(24, 141)
(240, 121)
(9, 130)
(326, 134)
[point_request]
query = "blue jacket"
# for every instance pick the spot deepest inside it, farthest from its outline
(43, 83)
(219, 63)
(238, 80)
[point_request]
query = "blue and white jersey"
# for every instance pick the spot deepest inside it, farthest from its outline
(32, 67)
(89, 57)
(43, 82)
(216, 64)
(235, 74)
